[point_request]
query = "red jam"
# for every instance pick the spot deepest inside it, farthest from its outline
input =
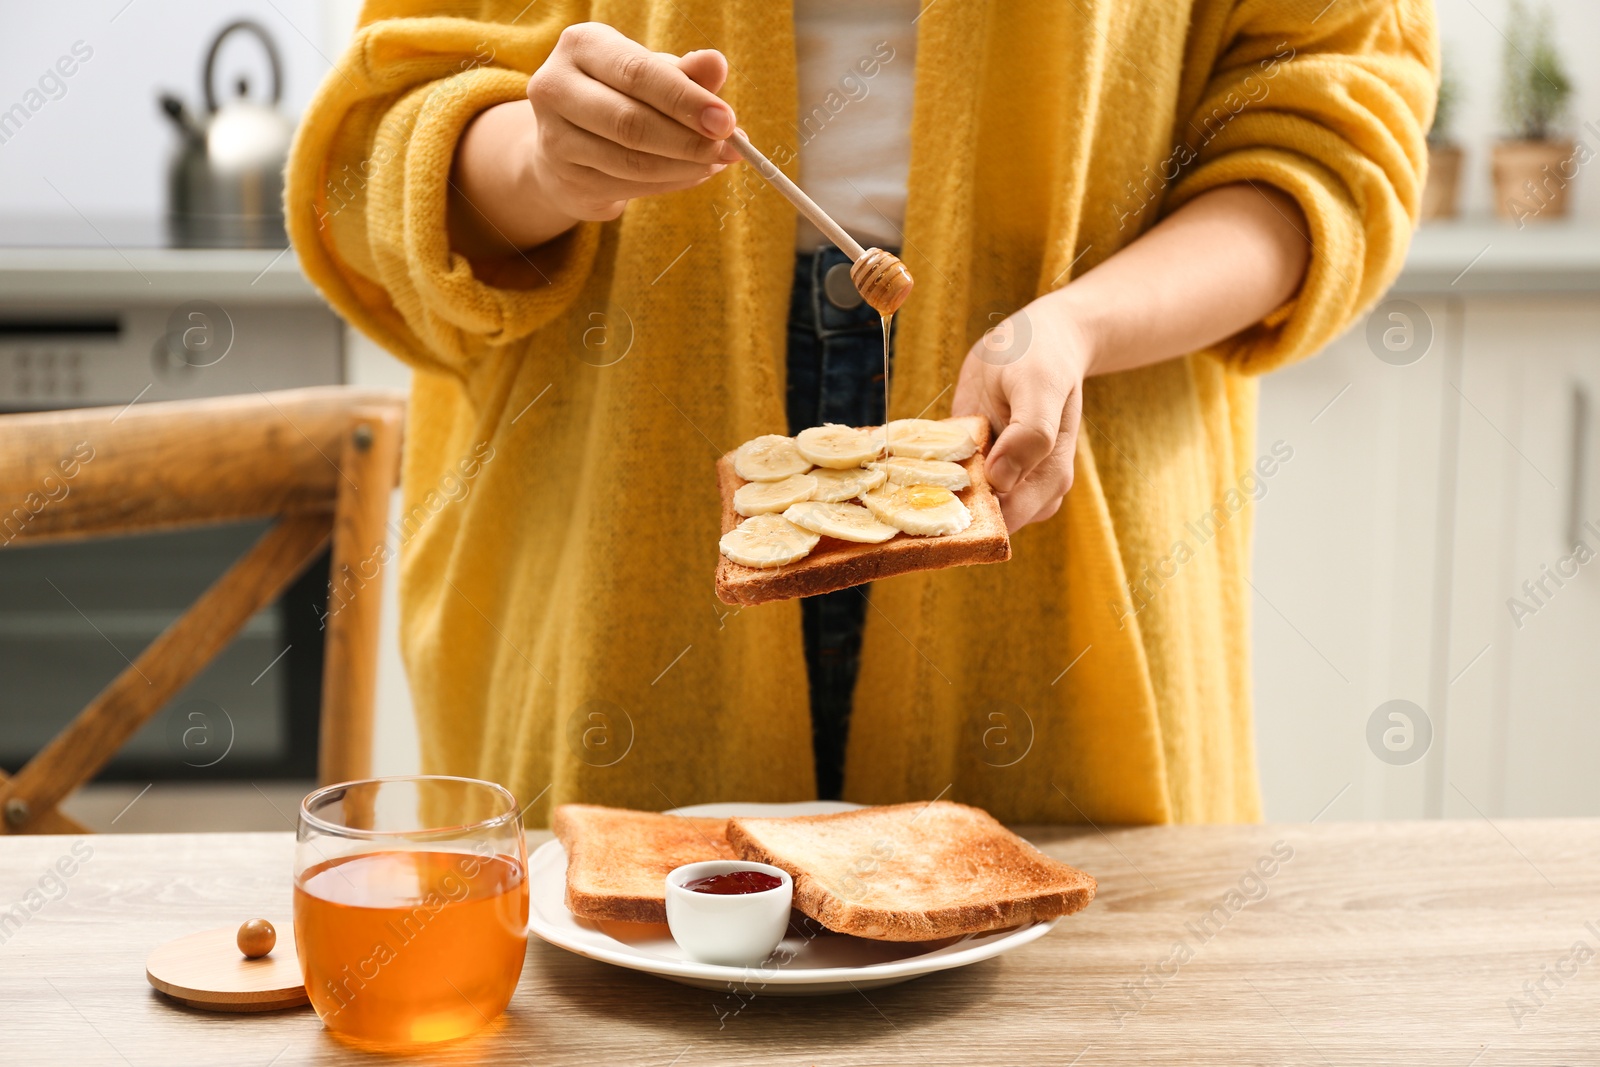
(734, 883)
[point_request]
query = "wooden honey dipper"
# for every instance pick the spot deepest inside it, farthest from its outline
(880, 277)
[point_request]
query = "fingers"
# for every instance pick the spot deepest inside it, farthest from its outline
(1038, 496)
(608, 57)
(1035, 494)
(587, 104)
(707, 67)
(1033, 395)
(616, 121)
(597, 196)
(578, 145)
(1030, 434)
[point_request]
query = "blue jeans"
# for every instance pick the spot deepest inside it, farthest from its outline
(835, 375)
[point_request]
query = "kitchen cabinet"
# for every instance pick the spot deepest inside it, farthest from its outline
(1528, 591)
(1428, 484)
(1344, 584)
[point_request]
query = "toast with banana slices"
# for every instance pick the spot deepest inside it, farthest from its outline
(913, 872)
(838, 506)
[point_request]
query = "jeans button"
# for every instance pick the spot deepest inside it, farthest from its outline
(840, 290)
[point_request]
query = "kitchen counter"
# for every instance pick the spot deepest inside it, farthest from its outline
(153, 275)
(1466, 256)
(1367, 943)
(1489, 256)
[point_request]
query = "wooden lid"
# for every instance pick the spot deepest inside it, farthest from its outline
(207, 970)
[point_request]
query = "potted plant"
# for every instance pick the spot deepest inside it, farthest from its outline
(1534, 166)
(1440, 196)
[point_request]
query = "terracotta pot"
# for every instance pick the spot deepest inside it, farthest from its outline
(1532, 179)
(1440, 197)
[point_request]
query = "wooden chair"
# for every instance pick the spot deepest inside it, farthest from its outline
(321, 461)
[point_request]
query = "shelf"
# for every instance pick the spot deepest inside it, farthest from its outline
(152, 275)
(1486, 256)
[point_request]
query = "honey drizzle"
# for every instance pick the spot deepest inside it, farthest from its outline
(886, 320)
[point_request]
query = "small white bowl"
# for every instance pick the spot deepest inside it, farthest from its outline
(736, 929)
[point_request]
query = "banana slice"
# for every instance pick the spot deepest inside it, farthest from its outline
(925, 510)
(834, 486)
(768, 458)
(838, 447)
(847, 522)
(927, 439)
(767, 541)
(766, 498)
(905, 471)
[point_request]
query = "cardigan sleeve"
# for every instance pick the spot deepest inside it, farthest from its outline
(368, 181)
(1329, 103)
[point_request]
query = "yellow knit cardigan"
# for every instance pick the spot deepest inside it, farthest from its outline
(558, 619)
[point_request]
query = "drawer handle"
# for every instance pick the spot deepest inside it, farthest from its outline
(1577, 506)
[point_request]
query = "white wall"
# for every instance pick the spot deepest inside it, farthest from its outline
(103, 142)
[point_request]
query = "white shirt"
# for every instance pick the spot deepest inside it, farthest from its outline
(856, 60)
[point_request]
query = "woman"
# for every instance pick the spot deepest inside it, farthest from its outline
(1118, 214)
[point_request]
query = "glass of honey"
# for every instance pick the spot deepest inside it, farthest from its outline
(410, 906)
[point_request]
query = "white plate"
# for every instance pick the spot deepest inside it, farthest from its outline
(811, 966)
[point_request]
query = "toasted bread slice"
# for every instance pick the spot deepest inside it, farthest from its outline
(913, 872)
(618, 860)
(836, 564)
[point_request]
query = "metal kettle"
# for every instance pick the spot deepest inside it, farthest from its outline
(225, 181)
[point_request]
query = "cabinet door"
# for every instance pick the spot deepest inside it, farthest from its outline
(1525, 619)
(1346, 564)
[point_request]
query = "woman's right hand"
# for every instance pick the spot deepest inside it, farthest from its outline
(617, 121)
(610, 121)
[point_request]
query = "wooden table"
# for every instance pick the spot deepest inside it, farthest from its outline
(1369, 943)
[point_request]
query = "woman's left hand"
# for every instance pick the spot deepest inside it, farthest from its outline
(1025, 375)
(1206, 271)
